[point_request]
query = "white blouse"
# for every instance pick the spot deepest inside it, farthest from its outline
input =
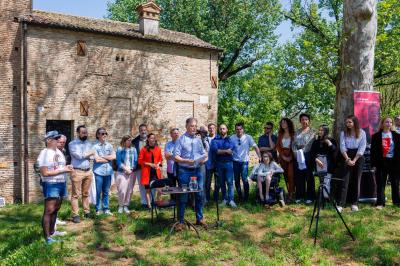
(351, 142)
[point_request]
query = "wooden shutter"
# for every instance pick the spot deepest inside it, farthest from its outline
(84, 108)
(81, 48)
(214, 82)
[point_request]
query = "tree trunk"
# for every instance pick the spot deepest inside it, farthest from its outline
(357, 56)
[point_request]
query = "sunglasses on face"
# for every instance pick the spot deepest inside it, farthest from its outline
(103, 134)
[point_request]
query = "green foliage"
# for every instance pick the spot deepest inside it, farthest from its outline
(249, 235)
(316, 54)
(254, 100)
(244, 29)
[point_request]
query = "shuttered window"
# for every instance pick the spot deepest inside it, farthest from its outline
(81, 48)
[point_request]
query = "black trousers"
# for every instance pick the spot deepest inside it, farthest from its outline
(173, 178)
(351, 179)
(388, 168)
(304, 180)
(207, 184)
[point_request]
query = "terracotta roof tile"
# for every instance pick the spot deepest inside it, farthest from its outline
(105, 26)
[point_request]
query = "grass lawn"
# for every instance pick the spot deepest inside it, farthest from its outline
(250, 235)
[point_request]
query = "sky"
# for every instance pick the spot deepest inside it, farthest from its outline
(98, 9)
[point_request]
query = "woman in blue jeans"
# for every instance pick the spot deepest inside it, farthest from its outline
(53, 168)
(102, 169)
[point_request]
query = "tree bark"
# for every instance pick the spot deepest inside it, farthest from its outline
(357, 56)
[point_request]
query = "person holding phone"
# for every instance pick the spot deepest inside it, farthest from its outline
(53, 169)
(322, 154)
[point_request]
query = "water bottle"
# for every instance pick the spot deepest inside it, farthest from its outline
(193, 183)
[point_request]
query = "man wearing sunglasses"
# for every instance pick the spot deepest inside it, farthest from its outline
(266, 142)
(242, 144)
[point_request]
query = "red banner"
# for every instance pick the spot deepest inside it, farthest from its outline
(367, 109)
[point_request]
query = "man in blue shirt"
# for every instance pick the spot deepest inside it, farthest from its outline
(210, 167)
(242, 145)
(81, 151)
(169, 156)
(222, 149)
(190, 155)
(267, 142)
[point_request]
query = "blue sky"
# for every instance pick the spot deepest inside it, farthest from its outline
(98, 9)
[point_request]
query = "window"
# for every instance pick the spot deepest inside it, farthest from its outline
(81, 48)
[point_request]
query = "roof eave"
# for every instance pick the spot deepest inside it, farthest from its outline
(118, 34)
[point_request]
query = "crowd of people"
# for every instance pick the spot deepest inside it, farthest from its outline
(205, 154)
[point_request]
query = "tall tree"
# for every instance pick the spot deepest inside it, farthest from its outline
(244, 29)
(357, 55)
(334, 27)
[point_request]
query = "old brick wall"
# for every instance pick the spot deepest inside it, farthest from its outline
(10, 100)
(159, 84)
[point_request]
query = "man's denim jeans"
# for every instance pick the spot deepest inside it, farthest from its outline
(225, 178)
(184, 178)
(240, 170)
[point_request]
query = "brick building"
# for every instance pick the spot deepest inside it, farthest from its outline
(59, 71)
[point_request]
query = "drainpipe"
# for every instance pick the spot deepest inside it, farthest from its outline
(25, 110)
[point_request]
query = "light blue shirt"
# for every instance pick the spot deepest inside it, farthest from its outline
(169, 148)
(103, 149)
(210, 162)
(78, 149)
(241, 147)
(189, 147)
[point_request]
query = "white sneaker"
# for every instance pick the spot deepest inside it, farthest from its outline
(379, 207)
(126, 210)
(107, 212)
(340, 209)
(120, 209)
(59, 233)
(232, 204)
(354, 208)
(99, 212)
(223, 203)
(298, 201)
(60, 222)
(308, 202)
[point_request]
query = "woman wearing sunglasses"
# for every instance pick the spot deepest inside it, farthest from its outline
(102, 169)
(53, 168)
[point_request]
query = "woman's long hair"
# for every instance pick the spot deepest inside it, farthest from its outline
(289, 124)
(124, 139)
(356, 124)
(325, 128)
(383, 122)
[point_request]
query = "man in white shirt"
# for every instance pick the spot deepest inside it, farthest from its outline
(242, 144)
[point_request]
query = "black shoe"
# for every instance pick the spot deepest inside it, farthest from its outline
(88, 215)
(76, 219)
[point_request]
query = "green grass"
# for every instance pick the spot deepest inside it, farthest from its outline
(250, 235)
